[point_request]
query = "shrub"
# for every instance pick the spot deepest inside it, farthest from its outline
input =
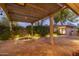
(41, 30)
(4, 33)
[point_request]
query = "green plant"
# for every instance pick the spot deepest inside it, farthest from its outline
(63, 15)
(5, 33)
(41, 30)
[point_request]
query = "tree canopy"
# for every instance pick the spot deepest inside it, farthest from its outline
(63, 15)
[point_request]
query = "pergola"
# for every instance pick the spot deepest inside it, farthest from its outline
(32, 12)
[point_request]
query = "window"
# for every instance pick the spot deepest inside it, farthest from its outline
(62, 31)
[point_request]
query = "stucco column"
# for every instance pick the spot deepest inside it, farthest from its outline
(51, 29)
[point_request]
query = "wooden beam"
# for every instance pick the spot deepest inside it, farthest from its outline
(20, 19)
(46, 16)
(26, 10)
(42, 15)
(25, 15)
(61, 5)
(74, 7)
(36, 7)
(22, 4)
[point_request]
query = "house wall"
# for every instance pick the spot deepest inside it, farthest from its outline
(71, 31)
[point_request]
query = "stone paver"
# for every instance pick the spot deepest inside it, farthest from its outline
(41, 47)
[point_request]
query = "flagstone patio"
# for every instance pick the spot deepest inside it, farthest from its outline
(41, 47)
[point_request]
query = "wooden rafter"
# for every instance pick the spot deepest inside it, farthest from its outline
(22, 19)
(34, 12)
(25, 15)
(20, 9)
(36, 7)
(22, 4)
(19, 20)
(29, 7)
(51, 13)
(74, 7)
(61, 5)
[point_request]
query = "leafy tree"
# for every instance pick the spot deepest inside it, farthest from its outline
(41, 30)
(5, 33)
(63, 15)
(4, 21)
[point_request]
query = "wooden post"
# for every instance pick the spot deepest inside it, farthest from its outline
(10, 26)
(32, 29)
(51, 29)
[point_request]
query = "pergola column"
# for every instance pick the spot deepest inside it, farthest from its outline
(10, 24)
(32, 29)
(51, 29)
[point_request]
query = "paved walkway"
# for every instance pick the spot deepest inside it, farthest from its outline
(41, 47)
